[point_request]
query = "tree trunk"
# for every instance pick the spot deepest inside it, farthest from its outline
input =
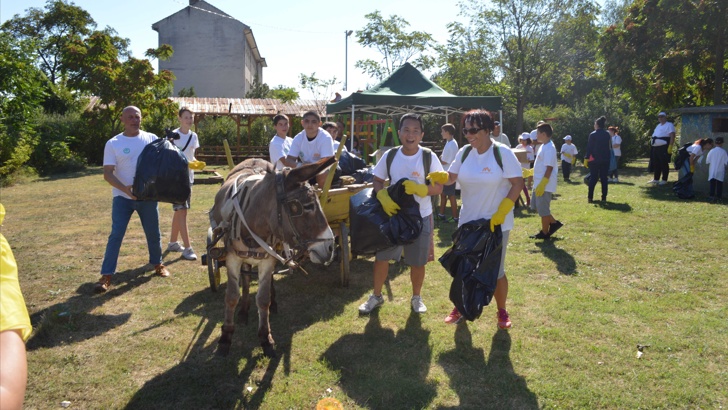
(719, 70)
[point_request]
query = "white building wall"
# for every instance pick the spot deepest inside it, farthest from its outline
(209, 53)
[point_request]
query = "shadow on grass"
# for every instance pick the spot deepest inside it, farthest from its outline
(565, 263)
(614, 206)
(74, 174)
(204, 380)
(493, 384)
(68, 322)
(373, 363)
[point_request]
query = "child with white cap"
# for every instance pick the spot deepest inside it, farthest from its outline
(717, 160)
(568, 156)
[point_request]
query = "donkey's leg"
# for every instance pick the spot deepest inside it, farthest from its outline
(273, 303)
(242, 316)
(232, 295)
(265, 277)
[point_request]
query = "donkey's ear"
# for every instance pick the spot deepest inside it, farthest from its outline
(308, 171)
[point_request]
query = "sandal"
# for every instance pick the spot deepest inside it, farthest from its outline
(103, 284)
(161, 270)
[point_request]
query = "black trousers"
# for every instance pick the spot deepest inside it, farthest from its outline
(660, 162)
(566, 169)
(599, 172)
(716, 188)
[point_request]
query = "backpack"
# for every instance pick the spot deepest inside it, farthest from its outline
(426, 160)
(682, 156)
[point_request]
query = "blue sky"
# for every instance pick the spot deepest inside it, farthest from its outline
(293, 36)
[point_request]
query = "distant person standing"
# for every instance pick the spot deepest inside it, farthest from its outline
(447, 132)
(500, 136)
(568, 156)
(617, 147)
(188, 144)
(717, 159)
(280, 144)
(120, 160)
(662, 139)
(597, 157)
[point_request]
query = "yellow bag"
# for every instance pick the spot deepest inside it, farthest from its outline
(197, 165)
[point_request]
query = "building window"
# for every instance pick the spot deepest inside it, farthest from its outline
(720, 124)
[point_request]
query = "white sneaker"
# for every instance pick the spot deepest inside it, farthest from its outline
(189, 254)
(661, 183)
(175, 247)
(653, 182)
(610, 180)
(417, 304)
(616, 180)
(372, 303)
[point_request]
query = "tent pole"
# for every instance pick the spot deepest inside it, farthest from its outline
(351, 134)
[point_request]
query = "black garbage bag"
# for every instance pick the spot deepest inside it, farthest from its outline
(683, 187)
(364, 175)
(350, 163)
(372, 230)
(162, 174)
(474, 262)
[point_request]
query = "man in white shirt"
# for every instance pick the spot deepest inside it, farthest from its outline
(449, 152)
(661, 149)
(311, 145)
(500, 136)
(120, 160)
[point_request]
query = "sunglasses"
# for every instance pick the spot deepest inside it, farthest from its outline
(471, 131)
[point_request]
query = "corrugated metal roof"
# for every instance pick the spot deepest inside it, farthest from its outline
(246, 106)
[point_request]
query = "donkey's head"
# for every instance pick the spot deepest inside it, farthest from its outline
(303, 221)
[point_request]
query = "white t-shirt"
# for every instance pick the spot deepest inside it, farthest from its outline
(410, 167)
(546, 157)
(662, 130)
(311, 151)
(483, 184)
(122, 152)
(697, 150)
(616, 139)
(529, 152)
(449, 152)
(191, 147)
(279, 148)
(502, 138)
(571, 150)
(717, 159)
(336, 146)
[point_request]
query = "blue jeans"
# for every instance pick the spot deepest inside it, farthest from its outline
(121, 211)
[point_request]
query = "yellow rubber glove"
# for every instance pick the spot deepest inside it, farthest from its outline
(586, 163)
(438, 177)
(499, 216)
(197, 165)
(413, 188)
(390, 207)
(541, 187)
(527, 172)
(569, 156)
(692, 169)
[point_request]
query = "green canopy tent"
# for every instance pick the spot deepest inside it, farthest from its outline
(408, 90)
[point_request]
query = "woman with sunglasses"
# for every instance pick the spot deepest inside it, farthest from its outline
(489, 190)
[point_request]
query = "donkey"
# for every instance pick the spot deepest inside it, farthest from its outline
(282, 210)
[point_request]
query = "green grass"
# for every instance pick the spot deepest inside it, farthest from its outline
(646, 268)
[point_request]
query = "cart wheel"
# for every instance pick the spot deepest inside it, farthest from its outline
(344, 256)
(213, 266)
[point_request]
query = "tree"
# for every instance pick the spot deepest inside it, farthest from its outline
(669, 53)
(395, 44)
(319, 89)
(258, 90)
(97, 70)
(522, 34)
(21, 91)
(187, 92)
(284, 94)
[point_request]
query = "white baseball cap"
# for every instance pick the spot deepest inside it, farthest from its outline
(662, 114)
(567, 138)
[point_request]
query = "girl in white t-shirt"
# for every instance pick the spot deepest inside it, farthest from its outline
(525, 143)
(616, 146)
(696, 151)
(188, 143)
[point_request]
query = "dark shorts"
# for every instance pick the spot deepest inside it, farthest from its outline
(449, 190)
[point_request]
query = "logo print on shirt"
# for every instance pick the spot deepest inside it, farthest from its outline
(127, 150)
(486, 170)
(415, 174)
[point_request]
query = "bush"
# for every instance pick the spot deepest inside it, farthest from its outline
(57, 148)
(213, 130)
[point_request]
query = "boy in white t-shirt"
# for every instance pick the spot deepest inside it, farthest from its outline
(280, 144)
(717, 159)
(188, 143)
(568, 156)
(447, 132)
(311, 145)
(407, 163)
(545, 182)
